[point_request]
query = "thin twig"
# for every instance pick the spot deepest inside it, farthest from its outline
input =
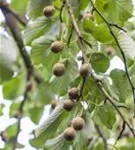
(11, 22)
(102, 136)
(122, 53)
(61, 11)
(18, 18)
(110, 99)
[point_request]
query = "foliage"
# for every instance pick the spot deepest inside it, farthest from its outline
(92, 32)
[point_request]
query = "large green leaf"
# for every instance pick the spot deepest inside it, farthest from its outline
(127, 44)
(58, 143)
(120, 88)
(35, 7)
(99, 32)
(41, 52)
(36, 28)
(92, 94)
(48, 129)
(116, 12)
(104, 115)
(99, 62)
(14, 88)
(20, 7)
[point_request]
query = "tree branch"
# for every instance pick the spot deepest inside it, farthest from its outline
(110, 99)
(61, 11)
(122, 53)
(102, 136)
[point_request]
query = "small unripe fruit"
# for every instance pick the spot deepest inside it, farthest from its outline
(57, 46)
(49, 11)
(85, 70)
(110, 51)
(69, 134)
(54, 103)
(78, 123)
(29, 86)
(74, 93)
(58, 69)
(68, 105)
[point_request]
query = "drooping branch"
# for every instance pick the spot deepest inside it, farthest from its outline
(117, 43)
(11, 19)
(11, 22)
(61, 11)
(110, 100)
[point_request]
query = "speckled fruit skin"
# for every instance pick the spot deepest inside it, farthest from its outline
(85, 70)
(68, 105)
(57, 46)
(70, 134)
(78, 123)
(49, 11)
(59, 69)
(74, 93)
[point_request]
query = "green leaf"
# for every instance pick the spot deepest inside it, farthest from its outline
(120, 88)
(58, 143)
(84, 4)
(11, 130)
(1, 109)
(127, 44)
(99, 32)
(36, 112)
(35, 7)
(99, 145)
(14, 88)
(116, 12)
(20, 7)
(49, 127)
(36, 28)
(104, 115)
(99, 62)
(92, 94)
(41, 52)
(43, 94)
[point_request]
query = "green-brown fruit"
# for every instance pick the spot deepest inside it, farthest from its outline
(110, 51)
(59, 69)
(29, 86)
(68, 105)
(74, 93)
(69, 134)
(85, 70)
(54, 103)
(57, 46)
(49, 11)
(78, 123)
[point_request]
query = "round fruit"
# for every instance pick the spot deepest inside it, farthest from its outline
(29, 86)
(68, 105)
(54, 103)
(57, 46)
(58, 69)
(69, 134)
(74, 93)
(49, 11)
(110, 51)
(85, 70)
(78, 123)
